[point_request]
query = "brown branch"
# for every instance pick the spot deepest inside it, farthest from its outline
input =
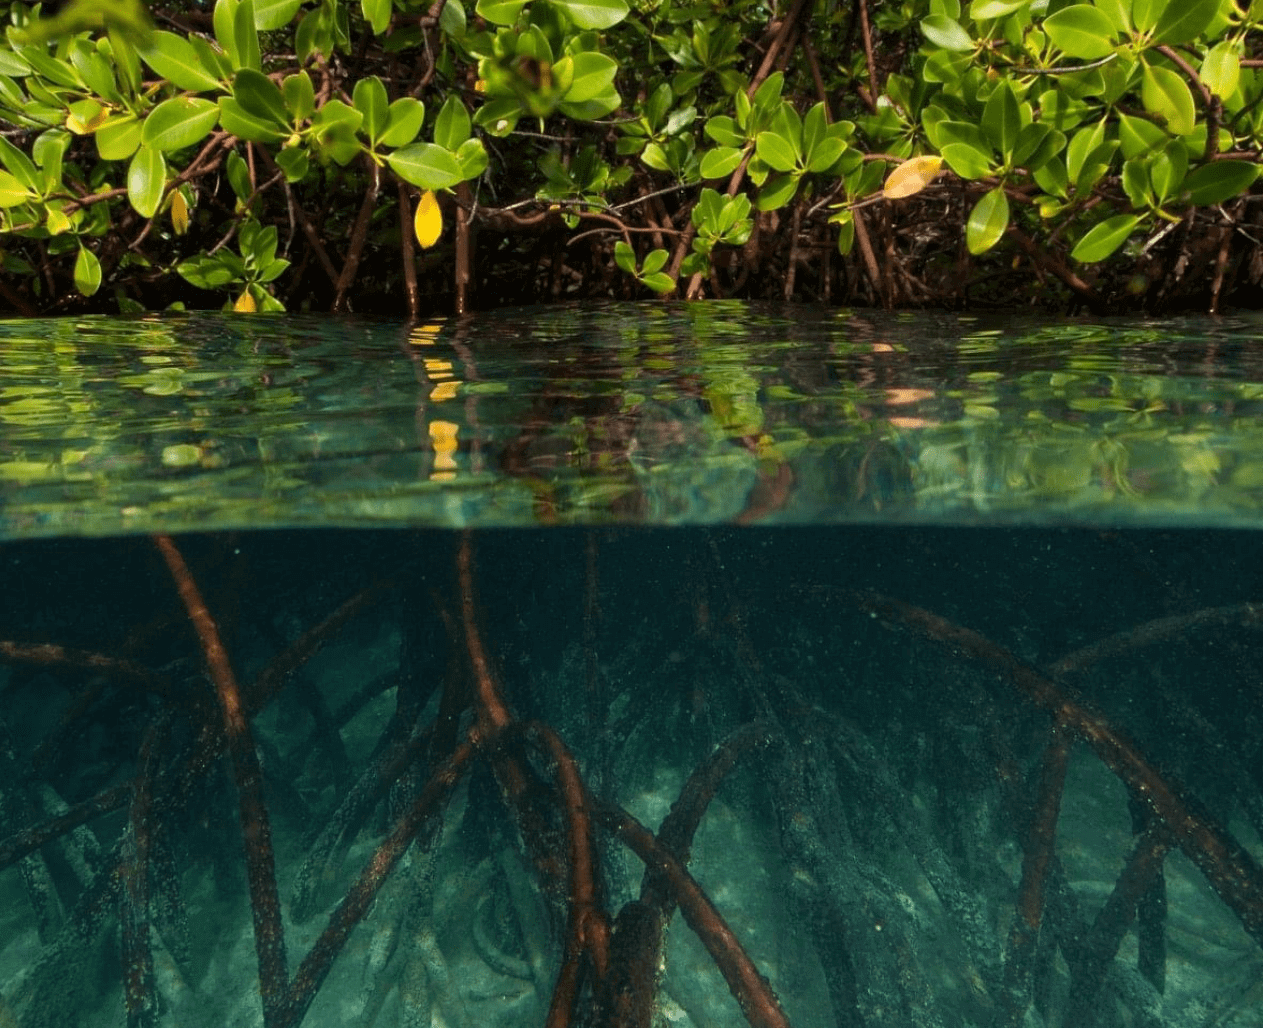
(408, 254)
(870, 259)
(464, 247)
(873, 90)
(269, 933)
(1052, 264)
(359, 235)
(313, 238)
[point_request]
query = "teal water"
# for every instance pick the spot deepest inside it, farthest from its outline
(958, 622)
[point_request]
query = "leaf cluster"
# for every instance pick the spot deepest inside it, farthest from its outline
(141, 143)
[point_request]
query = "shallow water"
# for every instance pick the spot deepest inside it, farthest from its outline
(873, 582)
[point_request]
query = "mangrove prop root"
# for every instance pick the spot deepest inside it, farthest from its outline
(1040, 842)
(1229, 868)
(752, 991)
(1247, 615)
(315, 967)
(28, 840)
(256, 831)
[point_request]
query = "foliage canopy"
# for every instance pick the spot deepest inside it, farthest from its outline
(893, 152)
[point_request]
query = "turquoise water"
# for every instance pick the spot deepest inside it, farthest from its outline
(939, 636)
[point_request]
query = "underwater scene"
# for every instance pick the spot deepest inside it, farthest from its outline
(673, 677)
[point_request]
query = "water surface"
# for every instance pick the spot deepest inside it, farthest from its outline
(925, 648)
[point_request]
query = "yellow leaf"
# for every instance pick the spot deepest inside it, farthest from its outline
(179, 213)
(911, 177)
(428, 222)
(245, 303)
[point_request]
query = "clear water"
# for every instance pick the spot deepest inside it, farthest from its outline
(873, 560)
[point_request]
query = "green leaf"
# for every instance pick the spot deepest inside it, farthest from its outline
(18, 163)
(777, 152)
(1052, 178)
(117, 139)
(987, 221)
(370, 99)
(655, 260)
(1136, 183)
(174, 58)
(222, 20)
(1221, 68)
(777, 192)
(205, 272)
(967, 162)
(335, 126)
(724, 131)
(593, 14)
(274, 14)
(260, 96)
(300, 96)
(452, 127)
(1002, 120)
(1145, 13)
(653, 156)
(452, 20)
(658, 281)
(986, 10)
(825, 154)
(472, 158)
(146, 178)
(1167, 169)
(1138, 137)
(1083, 143)
(1081, 31)
(403, 122)
(593, 75)
(246, 37)
(1218, 181)
(426, 165)
(625, 257)
(238, 172)
(1182, 21)
(294, 162)
(12, 192)
(377, 14)
(235, 119)
(942, 31)
(179, 122)
(720, 162)
(1164, 93)
(1105, 238)
(499, 12)
(87, 272)
(1037, 144)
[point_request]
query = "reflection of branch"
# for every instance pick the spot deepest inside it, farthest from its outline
(1229, 868)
